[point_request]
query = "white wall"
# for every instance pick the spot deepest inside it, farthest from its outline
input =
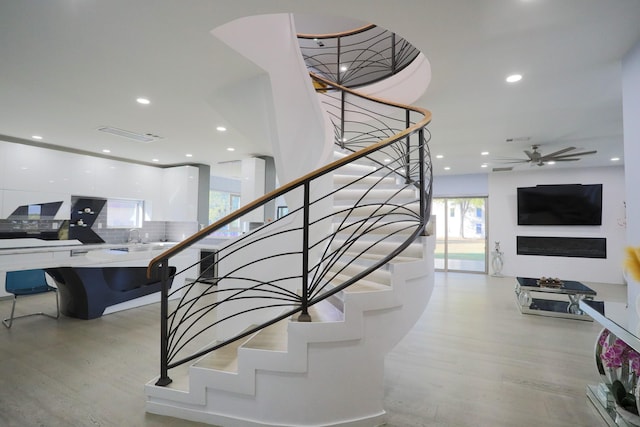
(471, 185)
(300, 140)
(631, 112)
(503, 225)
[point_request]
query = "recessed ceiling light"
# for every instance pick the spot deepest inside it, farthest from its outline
(189, 155)
(550, 163)
(155, 160)
(484, 165)
(343, 68)
(514, 78)
(484, 153)
(106, 150)
(387, 160)
(221, 128)
(439, 156)
(447, 168)
(615, 159)
(231, 149)
(143, 101)
(36, 137)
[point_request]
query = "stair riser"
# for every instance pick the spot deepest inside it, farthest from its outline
(378, 210)
(382, 195)
(378, 249)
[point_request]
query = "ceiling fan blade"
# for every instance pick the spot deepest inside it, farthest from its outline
(563, 160)
(584, 153)
(514, 161)
(555, 153)
(529, 154)
(506, 169)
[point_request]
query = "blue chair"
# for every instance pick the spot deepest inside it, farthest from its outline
(24, 283)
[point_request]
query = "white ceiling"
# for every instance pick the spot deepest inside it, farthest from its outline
(68, 67)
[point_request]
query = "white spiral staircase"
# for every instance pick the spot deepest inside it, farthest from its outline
(329, 371)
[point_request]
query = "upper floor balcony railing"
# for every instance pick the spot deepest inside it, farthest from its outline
(357, 57)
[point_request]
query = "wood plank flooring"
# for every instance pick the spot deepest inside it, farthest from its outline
(471, 360)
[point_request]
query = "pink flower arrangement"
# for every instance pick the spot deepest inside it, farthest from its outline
(618, 353)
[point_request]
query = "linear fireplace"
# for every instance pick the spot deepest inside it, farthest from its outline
(581, 247)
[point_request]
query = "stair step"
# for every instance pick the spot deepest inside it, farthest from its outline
(381, 276)
(375, 209)
(377, 251)
(224, 359)
(274, 338)
(355, 181)
(382, 194)
(397, 259)
(325, 311)
(362, 285)
(362, 229)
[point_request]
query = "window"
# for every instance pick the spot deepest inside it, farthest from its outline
(461, 241)
(282, 211)
(221, 204)
(122, 213)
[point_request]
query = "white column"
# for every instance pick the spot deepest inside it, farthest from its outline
(251, 188)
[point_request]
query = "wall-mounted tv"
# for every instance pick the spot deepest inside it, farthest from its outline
(565, 204)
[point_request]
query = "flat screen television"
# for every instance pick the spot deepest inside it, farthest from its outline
(565, 204)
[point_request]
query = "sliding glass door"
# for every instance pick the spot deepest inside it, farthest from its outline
(461, 238)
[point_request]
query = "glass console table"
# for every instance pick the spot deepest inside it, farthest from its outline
(615, 317)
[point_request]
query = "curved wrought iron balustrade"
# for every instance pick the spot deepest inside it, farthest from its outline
(358, 57)
(322, 246)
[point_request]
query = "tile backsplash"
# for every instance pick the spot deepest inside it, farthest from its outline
(151, 231)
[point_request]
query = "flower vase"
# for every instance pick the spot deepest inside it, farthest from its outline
(620, 373)
(603, 337)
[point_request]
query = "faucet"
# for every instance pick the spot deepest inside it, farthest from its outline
(136, 239)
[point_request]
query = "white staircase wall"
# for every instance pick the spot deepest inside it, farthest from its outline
(300, 139)
(404, 87)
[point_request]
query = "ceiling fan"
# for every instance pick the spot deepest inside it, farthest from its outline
(534, 157)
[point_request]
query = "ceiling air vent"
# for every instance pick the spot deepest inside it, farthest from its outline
(140, 137)
(519, 139)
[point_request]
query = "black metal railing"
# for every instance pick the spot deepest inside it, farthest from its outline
(335, 219)
(358, 57)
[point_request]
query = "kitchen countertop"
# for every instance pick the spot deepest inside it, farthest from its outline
(53, 252)
(79, 254)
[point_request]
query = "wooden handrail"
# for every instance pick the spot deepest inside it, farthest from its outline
(336, 35)
(174, 250)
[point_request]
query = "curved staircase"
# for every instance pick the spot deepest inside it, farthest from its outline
(310, 348)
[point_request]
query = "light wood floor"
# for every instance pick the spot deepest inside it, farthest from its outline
(471, 360)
